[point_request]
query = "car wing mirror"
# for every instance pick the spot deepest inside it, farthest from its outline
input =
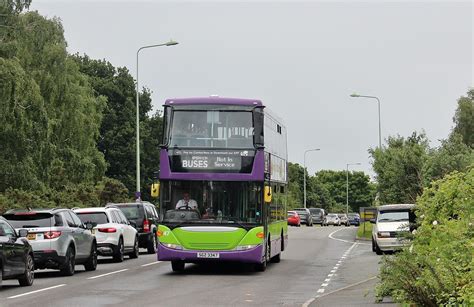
(22, 233)
(89, 225)
(372, 221)
(133, 224)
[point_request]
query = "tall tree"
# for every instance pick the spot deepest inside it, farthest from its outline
(118, 128)
(51, 117)
(464, 118)
(399, 168)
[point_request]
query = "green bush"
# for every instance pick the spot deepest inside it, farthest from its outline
(81, 195)
(437, 269)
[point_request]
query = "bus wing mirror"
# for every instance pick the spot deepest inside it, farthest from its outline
(267, 194)
(155, 190)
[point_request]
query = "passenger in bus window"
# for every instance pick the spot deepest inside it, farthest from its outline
(187, 203)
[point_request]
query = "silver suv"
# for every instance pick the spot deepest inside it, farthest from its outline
(58, 237)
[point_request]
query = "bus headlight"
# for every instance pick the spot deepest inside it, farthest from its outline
(244, 247)
(173, 246)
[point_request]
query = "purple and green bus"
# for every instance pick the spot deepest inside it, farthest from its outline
(222, 182)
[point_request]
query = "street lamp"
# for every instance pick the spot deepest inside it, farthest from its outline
(347, 184)
(304, 172)
(170, 43)
(355, 95)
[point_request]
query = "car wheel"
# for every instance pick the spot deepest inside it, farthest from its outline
(70, 264)
(151, 246)
(177, 265)
(136, 251)
(119, 251)
(91, 264)
(378, 251)
(373, 245)
(28, 277)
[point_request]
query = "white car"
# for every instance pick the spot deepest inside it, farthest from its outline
(391, 223)
(114, 234)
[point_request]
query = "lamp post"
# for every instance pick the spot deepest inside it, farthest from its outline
(355, 95)
(347, 184)
(304, 173)
(138, 192)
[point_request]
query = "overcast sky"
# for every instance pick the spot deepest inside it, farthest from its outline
(302, 59)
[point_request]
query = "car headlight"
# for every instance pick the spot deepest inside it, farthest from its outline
(244, 247)
(383, 234)
(173, 246)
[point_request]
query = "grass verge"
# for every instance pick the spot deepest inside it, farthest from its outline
(364, 231)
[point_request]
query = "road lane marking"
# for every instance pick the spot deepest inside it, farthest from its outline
(347, 287)
(326, 281)
(106, 274)
(151, 263)
(36, 291)
(342, 240)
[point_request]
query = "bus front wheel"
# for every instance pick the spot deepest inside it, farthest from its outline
(177, 266)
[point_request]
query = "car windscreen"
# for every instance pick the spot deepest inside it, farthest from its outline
(133, 212)
(393, 216)
(93, 217)
(315, 211)
(33, 220)
(291, 214)
(332, 215)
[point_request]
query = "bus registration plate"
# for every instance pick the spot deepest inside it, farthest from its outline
(207, 255)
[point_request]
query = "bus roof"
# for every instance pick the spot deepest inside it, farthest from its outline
(213, 100)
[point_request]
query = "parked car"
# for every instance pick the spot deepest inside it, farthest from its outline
(58, 237)
(16, 255)
(305, 216)
(145, 217)
(332, 219)
(294, 219)
(390, 227)
(344, 219)
(114, 234)
(317, 215)
(354, 219)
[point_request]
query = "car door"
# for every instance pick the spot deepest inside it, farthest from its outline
(77, 234)
(85, 234)
(13, 251)
(128, 230)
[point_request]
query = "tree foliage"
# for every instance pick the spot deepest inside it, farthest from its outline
(327, 189)
(464, 118)
(399, 168)
(49, 113)
(438, 269)
(118, 128)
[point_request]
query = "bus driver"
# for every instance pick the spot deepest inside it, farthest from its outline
(186, 202)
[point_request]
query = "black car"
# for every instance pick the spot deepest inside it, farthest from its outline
(144, 217)
(317, 215)
(16, 255)
(354, 219)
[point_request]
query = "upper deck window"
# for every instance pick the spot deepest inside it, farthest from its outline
(211, 129)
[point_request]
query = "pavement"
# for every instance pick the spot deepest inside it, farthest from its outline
(322, 266)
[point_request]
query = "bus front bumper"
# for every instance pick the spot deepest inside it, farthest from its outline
(253, 255)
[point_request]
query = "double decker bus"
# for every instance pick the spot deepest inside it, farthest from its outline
(222, 183)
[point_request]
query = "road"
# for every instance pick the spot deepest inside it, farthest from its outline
(319, 262)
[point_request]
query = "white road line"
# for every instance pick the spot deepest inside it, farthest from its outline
(307, 303)
(151, 263)
(330, 275)
(106, 274)
(324, 285)
(333, 271)
(327, 279)
(36, 291)
(321, 290)
(342, 240)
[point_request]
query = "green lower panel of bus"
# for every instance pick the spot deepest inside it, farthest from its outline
(210, 237)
